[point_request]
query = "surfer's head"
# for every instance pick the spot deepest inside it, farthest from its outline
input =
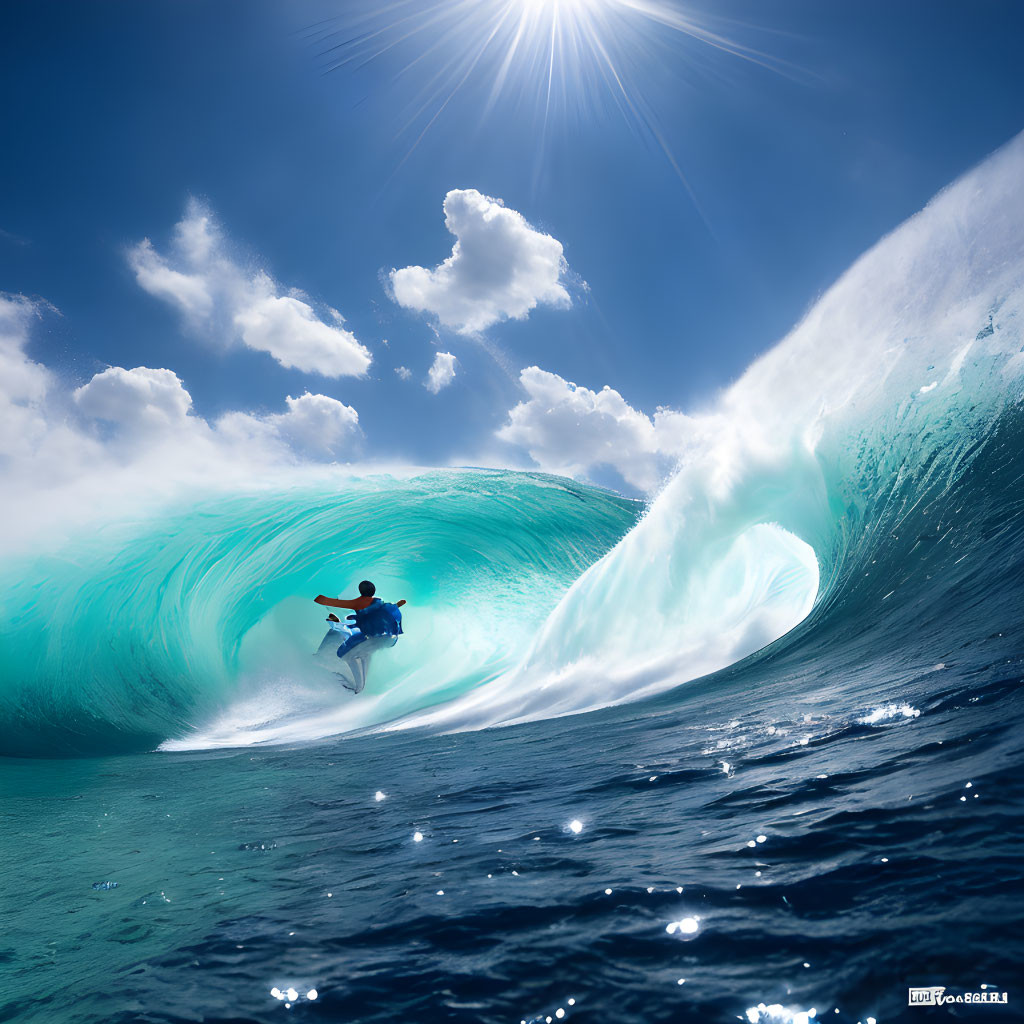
(367, 589)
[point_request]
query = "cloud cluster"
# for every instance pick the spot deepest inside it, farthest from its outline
(142, 400)
(130, 432)
(214, 293)
(143, 406)
(500, 268)
(441, 372)
(572, 430)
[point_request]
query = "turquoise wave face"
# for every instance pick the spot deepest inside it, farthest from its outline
(143, 631)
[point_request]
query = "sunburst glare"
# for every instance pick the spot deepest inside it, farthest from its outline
(544, 60)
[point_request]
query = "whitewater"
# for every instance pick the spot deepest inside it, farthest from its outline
(777, 699)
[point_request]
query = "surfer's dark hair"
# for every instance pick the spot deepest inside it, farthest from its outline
(367, 589)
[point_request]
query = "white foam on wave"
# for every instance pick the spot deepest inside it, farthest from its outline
(755, 591)
(887, 713)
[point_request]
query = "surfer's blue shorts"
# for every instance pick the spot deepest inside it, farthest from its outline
(353, 641)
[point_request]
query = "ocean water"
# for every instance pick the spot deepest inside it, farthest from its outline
(751, 750)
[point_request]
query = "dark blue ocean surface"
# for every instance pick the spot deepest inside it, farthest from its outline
(827, 841)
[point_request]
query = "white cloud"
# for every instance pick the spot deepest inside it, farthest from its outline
(572, 430)
(215, 294)
(403, 372)
(291, 332)
(441, 373)
(23, 382)
(315, 426)
(500, 268)
(189, 292)
(138, 400)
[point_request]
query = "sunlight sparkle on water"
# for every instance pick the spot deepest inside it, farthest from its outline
(776, 1013)
(684, 926)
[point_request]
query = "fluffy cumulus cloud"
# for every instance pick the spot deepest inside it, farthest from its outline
(441, 372)
(215, 293)
(144, 406)
(315, 426)
(500, 268)
(140, 400)
(572, 430)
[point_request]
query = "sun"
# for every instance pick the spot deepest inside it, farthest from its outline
(544, 59)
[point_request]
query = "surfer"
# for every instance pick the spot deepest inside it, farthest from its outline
(374, 617)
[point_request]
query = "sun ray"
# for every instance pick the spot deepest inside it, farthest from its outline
(560, 56)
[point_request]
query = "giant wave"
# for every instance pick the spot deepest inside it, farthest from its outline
(848, 505)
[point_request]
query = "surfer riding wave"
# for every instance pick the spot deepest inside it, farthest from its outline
(373, 619)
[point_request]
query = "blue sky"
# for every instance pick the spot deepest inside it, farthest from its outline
(118, 115)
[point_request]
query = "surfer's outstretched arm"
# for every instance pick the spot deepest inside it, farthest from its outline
(356, 604)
